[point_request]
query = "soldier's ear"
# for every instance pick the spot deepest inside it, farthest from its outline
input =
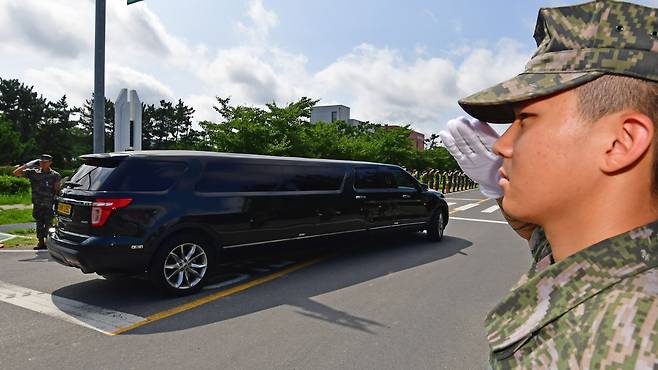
(627, 136)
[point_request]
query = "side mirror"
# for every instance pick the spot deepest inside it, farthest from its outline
(424, 187)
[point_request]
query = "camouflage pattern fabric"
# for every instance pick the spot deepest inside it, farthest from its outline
(43, 185)
(575, 45)
(43, 215)
(595, 309)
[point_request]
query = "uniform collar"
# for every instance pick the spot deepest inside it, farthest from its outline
(556, 289)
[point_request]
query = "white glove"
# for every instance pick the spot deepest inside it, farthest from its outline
(32, 163)
(470, 142)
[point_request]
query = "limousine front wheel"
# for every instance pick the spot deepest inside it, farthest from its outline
(435, 227)
(181, 265)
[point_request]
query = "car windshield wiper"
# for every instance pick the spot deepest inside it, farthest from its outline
(72, 184)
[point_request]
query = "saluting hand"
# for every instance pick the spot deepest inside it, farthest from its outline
(470, 142)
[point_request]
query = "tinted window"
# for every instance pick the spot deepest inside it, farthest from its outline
(143, 175)
(366, 178)
(91, 177)
(312, 178)
(382, 178)
(223, 177)
(403, 179)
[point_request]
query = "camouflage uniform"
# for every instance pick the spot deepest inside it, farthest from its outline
(597, 308)
(43, 197)
(576, 44)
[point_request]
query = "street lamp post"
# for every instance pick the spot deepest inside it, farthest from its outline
(99, 79)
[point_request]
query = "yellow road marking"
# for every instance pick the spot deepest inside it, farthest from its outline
(480, 202)
(214, 297)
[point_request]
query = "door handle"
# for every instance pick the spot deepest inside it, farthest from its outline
(360, 197)
(406, 196)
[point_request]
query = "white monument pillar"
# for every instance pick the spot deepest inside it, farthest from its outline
(126, 111)
(136, 118)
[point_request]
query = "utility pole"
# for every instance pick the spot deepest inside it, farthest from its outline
(99, 79)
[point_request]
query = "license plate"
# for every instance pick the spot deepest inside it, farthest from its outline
(64, 209)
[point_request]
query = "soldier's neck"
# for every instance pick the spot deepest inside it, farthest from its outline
(592, 220)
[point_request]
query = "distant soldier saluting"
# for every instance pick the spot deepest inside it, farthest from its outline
(45, 185)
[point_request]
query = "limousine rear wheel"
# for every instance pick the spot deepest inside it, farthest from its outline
(435, 227)
(181, 265)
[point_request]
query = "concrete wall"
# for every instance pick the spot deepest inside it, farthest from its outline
(323, 113)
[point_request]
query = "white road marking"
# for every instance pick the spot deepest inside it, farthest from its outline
(478, 220)
(469, 199)
(467, 206)
(491, 209)
(238, 279)
(97, 318)
(5, 236)
(22, 251)
(451, 203)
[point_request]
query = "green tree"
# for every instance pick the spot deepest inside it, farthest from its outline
(24, 109)
(169, 126)
(87, 124)
(57, 134)
(10, 142)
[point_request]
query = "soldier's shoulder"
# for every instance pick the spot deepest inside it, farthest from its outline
(621, 318)
(644, 284)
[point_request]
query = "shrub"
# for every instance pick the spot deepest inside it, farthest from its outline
(67, 173)
(14, 185)
(6, 170)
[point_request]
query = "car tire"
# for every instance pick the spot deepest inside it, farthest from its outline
(181, 265)
(435, 227)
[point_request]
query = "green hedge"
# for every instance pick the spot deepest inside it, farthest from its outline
(67, 173)
(14, 185)
(6, 170)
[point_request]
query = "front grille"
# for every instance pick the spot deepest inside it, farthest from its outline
(71, 237)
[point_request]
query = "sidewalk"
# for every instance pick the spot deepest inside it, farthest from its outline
(10, 227)
(15, 206)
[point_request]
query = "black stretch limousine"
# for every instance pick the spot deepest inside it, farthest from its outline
(170, 213)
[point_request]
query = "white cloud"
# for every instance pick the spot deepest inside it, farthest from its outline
(203, 108)
(77, 83)
(51, 28)
(485, 67)
(262, 22)
(379, 84)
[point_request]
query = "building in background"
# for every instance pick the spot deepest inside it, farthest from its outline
(330, 113)
(417, 137)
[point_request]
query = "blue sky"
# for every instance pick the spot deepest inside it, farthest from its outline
(390, 61)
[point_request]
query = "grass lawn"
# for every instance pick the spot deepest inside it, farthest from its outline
(23, 231)
(20, 198)
(15, 216)
(28, 240)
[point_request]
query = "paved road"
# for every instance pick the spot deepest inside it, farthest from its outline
(387, 302)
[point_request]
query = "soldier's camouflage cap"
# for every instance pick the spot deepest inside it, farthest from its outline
(576, 44)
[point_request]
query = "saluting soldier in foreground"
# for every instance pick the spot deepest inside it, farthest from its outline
(45, 185)
(579, 177)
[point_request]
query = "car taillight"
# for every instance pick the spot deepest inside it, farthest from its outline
(102, 208)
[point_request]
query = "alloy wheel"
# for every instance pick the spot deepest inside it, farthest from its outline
(185, 266)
